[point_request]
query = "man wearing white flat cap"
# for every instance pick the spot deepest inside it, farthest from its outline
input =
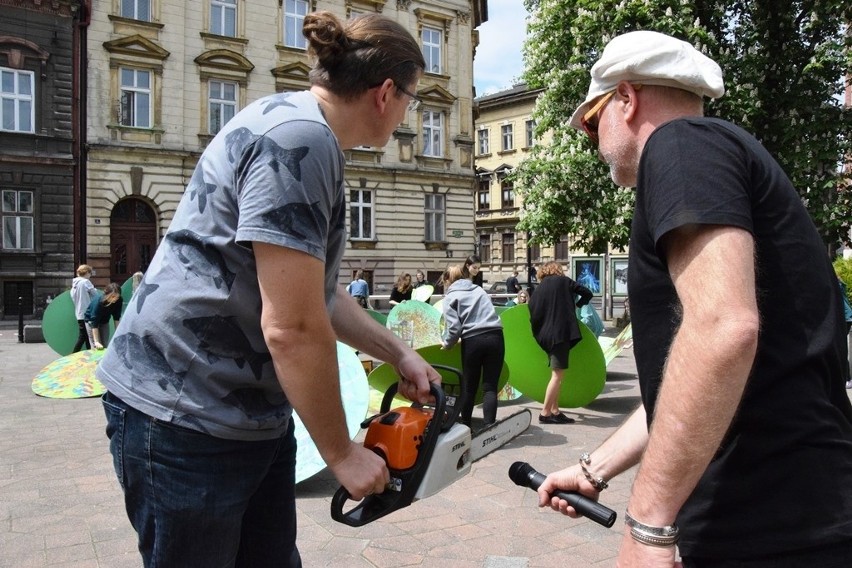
(744, 435)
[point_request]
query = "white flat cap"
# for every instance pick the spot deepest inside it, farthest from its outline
(652, 58)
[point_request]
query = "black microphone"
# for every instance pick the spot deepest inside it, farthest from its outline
(524, 475)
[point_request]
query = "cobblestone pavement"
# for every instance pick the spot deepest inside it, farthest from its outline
(60, 504)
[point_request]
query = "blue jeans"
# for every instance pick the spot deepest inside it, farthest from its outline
(196, 500)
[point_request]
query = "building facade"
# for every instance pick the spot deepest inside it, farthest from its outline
(166, 75)
(504, 137)
(505, 134)
(39, 135)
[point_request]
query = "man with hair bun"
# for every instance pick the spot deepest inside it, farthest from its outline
(215, 352)
(744, 435)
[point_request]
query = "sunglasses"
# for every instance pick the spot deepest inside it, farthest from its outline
(591, 128)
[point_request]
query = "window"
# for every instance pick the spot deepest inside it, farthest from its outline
(508, 191)
(16, 98)
(223, 17)
(483, 194)
(561, 248)
(18, 220)
(535, 252)
(136, 9)
(135, 102)
(433, 133)
(508, 247)
(485, 248)
(360, 214)
(294, 17)
(435, 209)
(508, 142)
(223, 104)
(530, 131)
(432, 49)
(483, 142)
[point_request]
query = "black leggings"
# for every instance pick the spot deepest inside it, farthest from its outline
(82, 337)
(482, 358)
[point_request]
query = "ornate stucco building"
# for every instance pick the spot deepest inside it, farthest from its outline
(505, 134)
(40, 135)
(165, 75)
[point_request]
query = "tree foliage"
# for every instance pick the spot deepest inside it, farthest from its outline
(784, 65)
(843, 269)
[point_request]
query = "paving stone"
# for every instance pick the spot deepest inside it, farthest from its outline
(60, 504)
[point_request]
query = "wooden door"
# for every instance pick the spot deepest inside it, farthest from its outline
(133, 238)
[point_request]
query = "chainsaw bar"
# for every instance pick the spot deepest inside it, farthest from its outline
(499, 434)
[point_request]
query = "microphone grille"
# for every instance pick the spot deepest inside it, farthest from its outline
(519, 473)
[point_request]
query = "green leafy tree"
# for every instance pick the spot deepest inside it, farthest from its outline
(843, 268)
(783, 64)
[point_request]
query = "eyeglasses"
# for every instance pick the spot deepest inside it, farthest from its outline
(415, 101)
(591, 128)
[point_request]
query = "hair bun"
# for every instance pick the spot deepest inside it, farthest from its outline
(326, 36)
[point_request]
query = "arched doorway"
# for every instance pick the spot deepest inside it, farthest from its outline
(132, 237)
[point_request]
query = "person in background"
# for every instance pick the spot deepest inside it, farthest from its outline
(419, 279)
(208, 368)
(103, 307)
(472, 269)
(469, 316)
(553, 317)
(82, 294)
(847, 313)
(512, 286)
(359, 289)
(744, 435)
(522, 298)
(401, 290)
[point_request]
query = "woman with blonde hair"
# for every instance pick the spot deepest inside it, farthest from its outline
(553, 316)
(469, 316)
(402, 289)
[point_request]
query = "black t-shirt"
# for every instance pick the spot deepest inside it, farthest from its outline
(398, 296)
(782, 479)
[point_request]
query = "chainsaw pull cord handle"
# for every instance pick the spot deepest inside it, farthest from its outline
(378, 505)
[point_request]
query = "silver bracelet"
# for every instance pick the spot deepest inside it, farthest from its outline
(654, 536)
(597, 482)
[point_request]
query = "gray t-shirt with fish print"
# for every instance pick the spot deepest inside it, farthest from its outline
(189, 349)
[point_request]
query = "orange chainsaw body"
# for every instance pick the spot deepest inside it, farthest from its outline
(397, 435)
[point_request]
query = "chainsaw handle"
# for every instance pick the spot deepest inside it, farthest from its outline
(393, 498)
(452, 416)
(369, 509)
(449, 418)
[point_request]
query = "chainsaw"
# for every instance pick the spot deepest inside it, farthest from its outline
(425, 448)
